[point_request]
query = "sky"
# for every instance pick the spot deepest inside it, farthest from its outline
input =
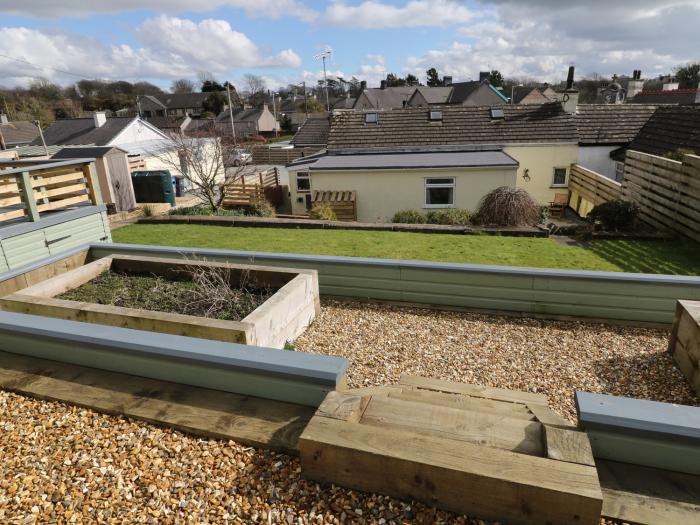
(162, 40)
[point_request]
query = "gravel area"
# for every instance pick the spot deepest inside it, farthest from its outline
(535, 355)
(63, 464)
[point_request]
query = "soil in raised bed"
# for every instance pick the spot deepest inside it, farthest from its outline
(199, 297)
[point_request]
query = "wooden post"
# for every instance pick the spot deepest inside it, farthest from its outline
(93, 184)
(25, 185)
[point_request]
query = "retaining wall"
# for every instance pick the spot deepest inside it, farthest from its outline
(529, 291)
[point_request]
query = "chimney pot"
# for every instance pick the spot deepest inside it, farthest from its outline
(363, 85)
(447, 80)
(382, 84)
(570, 78)
(484, 75)
(100, 118)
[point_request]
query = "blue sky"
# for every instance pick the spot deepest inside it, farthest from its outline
(159, 40)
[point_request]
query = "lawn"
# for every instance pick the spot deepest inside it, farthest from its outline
(672, 257)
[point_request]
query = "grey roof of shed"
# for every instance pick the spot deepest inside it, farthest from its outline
(460, 125)
(83, 131)
(434, 159)
(610, 123)
(19, 132)
(85, 153)
(313, 132)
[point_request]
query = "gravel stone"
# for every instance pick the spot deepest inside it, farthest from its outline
(66, 464)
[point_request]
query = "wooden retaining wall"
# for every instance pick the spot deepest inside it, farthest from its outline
(684, 344)
(588, 189)
(666, 191)
(525, 291)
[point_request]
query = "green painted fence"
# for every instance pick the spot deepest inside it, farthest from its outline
(596, 295)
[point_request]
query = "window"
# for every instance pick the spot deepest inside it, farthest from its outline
(371, 118)
(439, 193)
(619, 171)
(497, 113)
(435, 115)
(559, 178)
(303, 182)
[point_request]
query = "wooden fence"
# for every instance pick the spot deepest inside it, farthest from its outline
(245, 189)
(279, 156)
(28, 189)
(588, 189)
(343, 203)
(666, 191)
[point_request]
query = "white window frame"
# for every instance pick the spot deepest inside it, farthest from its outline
(565, 184)
(303, 175)
(427, 185)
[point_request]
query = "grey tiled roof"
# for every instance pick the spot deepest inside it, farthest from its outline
(451, 159)
(19, 132)
(435, 95)
(84, 153)
(240, 115)
(461, 125)
(610, 123)
(181, 100)
(388, 98)
(313, 132)
(670, 128)
(675, 96)
(83, 131)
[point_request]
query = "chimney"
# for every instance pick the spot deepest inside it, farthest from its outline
(3, 119)
(484, 75)
(382, 84)
(570, 79)
(635, 85)
(363, 85)
(100, 118)
(447, 79)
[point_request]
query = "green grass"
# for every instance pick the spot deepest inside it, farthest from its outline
(672, 257)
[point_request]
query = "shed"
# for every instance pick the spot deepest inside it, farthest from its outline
(113, 172)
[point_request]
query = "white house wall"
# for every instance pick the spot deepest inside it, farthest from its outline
(380, 194)
(597, 158)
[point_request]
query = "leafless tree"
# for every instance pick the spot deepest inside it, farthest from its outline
(201, 159)
(182, 85)
(254, 84)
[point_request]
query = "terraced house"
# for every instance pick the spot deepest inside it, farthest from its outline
(438, 157)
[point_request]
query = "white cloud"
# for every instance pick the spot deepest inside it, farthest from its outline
(170, 48)
(540, 39)
(372, 14)
(77, 8)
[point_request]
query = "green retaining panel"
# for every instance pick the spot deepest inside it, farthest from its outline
(293, 377)
(597, 295)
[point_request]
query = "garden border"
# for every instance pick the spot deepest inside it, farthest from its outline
(610, 296)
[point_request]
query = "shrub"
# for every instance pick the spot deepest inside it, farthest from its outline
(205, 210)
(617, 215)
(147, 211)
(544, 214)
(262, 208)
(508, 206)
(408, 217)
(323, 212)
(453, 216)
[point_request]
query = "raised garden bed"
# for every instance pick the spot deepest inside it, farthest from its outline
(235, 303)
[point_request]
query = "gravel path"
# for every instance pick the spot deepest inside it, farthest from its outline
(63, 464)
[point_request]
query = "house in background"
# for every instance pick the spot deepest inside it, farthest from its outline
(424, 97)
(533, 95)
(441, 157)
(132, 134)
(603, 129)
(475, 93)
(384, 98)
(14, 134)
(669, 95)
(171, 104)
(313, 132)
(169, 125)
(248, 121)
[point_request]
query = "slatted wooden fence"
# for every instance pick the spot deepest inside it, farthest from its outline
(245, 189)
(29, 189)
(279, 156)
(136, 163)
(343, 203)
(591, 187)
(666, 191)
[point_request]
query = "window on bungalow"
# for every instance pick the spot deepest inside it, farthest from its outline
(303, 182)
(560, 177)
(371, 118)
(439, 192)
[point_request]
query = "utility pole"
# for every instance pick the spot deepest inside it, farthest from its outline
(306, 102)
(326, 53)
(230, 111)
(274, 111)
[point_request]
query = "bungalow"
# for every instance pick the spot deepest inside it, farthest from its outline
(248, 121)
(603, 129)
(171, 104)
(16, 133)
(131, 134)
(441, 157)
